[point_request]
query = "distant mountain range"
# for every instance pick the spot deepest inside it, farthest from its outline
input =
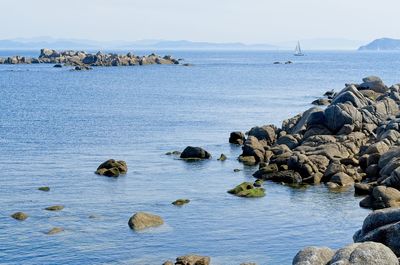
(41, 42)
(383, 44)
(76, 44)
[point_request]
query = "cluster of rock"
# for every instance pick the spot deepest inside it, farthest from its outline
(82, 60)
(355, 139)
(190, 259)
(376, 243)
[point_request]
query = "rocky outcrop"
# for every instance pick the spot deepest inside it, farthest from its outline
(142, 220)
(354, 140)
(82, 60)
(195, 153)
(112, 168)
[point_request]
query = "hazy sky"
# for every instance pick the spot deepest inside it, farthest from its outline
(249, 21)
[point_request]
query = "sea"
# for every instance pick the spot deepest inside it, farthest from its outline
(58, 125)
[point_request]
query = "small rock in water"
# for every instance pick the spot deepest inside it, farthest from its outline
(222, 157)
(57, 66)
(44, 188)
(55, 208)
(173, 153)
(236, 170)
(168, 262)
(112, 168)
(55, 230)
(248, 190)
(181, 202)
(191, 152)
(258, 183)
(19, 216)
(142, 220)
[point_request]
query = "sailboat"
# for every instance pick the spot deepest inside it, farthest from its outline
(297, 51)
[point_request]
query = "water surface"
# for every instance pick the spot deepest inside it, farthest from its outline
(57, 126)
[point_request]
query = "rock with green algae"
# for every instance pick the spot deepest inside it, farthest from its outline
(55, 208)
(181, 202)
(222, 157)
(248, 190)
(55, 230)
(44, 188)
(20, 216)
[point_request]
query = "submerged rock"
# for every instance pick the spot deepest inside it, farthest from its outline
(142, 220)
(55, 230)
(20, 216)
(44, 188)
(180, 202)
(191, 152)
(222, 157)
(55, 208)
(112, 168)
(248, 190)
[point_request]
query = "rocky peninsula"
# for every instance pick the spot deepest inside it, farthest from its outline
(84, 61)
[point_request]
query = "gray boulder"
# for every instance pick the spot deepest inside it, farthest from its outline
(370, 253)
(373, 83)
(381, 226)
(313, 256)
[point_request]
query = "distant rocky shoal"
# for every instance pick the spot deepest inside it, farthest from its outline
(84, 60)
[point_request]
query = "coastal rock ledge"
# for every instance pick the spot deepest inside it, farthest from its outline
(83, 61)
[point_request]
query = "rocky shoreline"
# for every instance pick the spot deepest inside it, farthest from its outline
(82, 60)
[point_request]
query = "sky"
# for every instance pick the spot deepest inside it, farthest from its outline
(247, 21)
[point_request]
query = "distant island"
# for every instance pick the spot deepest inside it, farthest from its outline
(383, 44)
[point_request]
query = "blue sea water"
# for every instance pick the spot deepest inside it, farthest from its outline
(57, 126)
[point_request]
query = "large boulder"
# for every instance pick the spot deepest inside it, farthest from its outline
(336, 116)
(191, 152)
(370, 253)
(381, 226)
(253, 148)
(112, 168)
(313, 256)
(265, 134)
(382, 197)
(142, 220)
(373, 83)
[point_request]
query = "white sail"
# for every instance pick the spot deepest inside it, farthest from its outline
(298, 51)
